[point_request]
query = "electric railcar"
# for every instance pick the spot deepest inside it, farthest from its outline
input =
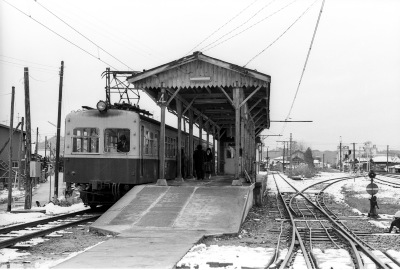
(96, 162)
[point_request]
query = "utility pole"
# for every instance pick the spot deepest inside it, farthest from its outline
(284, 152)
(10, 149)
(37, 142)
(21, 153)
(58, 131)
(290, 152)
(323, 161)
(354, 157)
(340, 156)
(45, 146)
(283, 164)
(387, 158)
(28, 184)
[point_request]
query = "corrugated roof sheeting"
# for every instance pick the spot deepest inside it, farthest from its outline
(201, 77)
(181, 77)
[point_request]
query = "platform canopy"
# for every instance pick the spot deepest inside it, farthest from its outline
(205, 85)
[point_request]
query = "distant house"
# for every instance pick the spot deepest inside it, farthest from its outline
(382, 161)
(5, 150)
(297, 158)
(394, 169)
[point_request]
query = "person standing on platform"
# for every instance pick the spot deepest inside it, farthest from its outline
(198, 158)
(208, 160)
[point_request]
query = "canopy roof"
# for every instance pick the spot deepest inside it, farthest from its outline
(205, 85)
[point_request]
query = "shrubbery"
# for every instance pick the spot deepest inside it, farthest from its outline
(303, 170)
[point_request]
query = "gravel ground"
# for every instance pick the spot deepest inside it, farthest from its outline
(260, 229)
(262, 226)
(44, 254)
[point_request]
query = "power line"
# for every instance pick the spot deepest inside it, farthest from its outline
(82, 34)
(28, 61)
(234, 17)
(18, 64)
(284, 32)
(251, 26)
(305, 64)
(308, 56)
(29, 16)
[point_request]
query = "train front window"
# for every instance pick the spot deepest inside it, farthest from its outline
(85, 140)
(116, 140)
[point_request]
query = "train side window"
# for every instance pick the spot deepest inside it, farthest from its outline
(117, 140)
(85, 140)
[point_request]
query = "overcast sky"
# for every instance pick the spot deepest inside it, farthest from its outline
(350, 89)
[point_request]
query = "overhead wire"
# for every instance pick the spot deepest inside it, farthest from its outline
(242, 24)
(234, 17)
(305, 64)
(244, 30)
(2, 55)
(284, 32)
(54, 32)
(113, 34)
(18, 64)
(82, 35)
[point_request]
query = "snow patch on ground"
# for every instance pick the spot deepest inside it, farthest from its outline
(234, 257)
(380, 224)
(9, 254)
(7, 218)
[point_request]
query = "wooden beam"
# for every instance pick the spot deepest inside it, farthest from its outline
(255, 104)
(173, 96)
(227, 96)
(210, 101)
(260, 110)
(218, 111)
(255, 91)
(194, 109)
(188, 106)
(221, 134)
(199, 95)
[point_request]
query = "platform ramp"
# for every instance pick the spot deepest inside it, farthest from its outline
(155, 226)
(213, 210)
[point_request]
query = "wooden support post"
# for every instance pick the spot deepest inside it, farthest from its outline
(214, 151)
(190, 173)
(219, 151)
(236, 100)
(21, 154)
(242, 137)
(10, 149)
(208, 139)
(28, 183)
(57, 166)
(201, 130)
(162, 102)
(179, 161)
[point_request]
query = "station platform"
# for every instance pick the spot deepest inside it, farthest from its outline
(155, 226)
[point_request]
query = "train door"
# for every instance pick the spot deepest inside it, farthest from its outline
(229, 156)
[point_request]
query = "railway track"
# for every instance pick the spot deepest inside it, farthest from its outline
(392, 180)
(23, 233)
(315, 227)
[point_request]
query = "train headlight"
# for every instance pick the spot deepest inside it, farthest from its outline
(101, 106)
